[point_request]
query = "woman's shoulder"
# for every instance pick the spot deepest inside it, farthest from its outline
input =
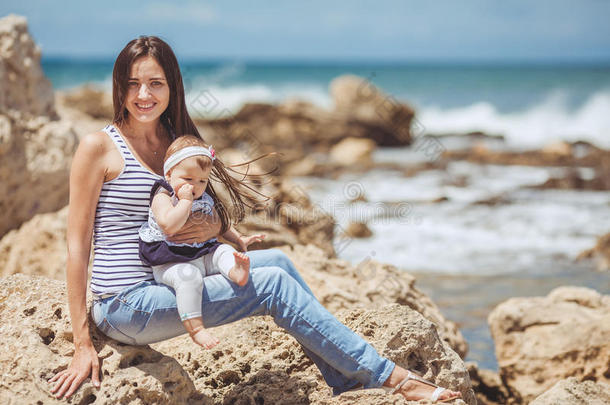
(95, 142)
(96, 153)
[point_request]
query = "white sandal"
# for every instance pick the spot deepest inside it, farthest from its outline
(410, 376)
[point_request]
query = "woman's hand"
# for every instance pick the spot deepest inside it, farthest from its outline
(198, 228)
(85, 363)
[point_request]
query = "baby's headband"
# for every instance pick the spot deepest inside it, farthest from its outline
(188, 152)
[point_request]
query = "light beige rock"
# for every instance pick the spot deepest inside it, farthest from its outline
(37, 343)
(353, 152)
(255, 361)
(573, 392)
(90, 99)
(37, 248)
(34, 169)
(35, 147)
(560, 148)
(83, 123)
(23, 86)
(542, 340)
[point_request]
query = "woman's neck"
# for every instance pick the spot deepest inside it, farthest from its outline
(142, 130)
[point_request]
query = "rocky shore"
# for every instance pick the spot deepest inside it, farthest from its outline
(550, 350)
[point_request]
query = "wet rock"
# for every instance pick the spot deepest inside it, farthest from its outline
(542, 340)
(600, 253)
(573, 179)
(488, 386)
(358, 230)
(583, 155)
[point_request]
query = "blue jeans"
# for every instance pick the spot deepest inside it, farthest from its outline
(147, 313)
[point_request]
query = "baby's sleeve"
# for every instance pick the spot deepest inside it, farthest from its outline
(207, 203)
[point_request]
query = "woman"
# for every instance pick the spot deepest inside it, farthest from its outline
(111, 175)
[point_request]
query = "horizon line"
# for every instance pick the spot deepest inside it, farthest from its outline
(554, 62)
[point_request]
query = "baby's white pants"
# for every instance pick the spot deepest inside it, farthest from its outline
(187, 278)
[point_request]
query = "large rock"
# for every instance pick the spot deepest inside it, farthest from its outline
(37, 343)
(35, 147)
(363, 102)
(542, 340)
(23, 86)
(298, 129)
(573, 392)
(255, 362)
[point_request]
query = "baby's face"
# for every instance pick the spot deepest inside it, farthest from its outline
(188, 171)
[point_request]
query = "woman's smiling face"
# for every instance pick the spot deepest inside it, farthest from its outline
(147, 90)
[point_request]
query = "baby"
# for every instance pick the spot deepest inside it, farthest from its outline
(187, 167)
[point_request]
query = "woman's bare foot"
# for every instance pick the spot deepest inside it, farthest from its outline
(240, 272)
(204, 339)
(415, 390)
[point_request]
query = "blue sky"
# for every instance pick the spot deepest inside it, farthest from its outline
(470, 30)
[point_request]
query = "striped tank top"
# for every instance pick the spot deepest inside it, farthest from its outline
(121, 209)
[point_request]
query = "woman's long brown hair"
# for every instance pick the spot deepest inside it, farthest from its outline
(175, 118)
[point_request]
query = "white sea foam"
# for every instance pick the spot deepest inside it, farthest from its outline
(217, 100)
(533, 233)
(541, 124)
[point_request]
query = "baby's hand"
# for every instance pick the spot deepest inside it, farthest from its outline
(245, 241)
(186, 192)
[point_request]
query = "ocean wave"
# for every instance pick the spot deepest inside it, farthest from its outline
(217, 100)
(540, 124)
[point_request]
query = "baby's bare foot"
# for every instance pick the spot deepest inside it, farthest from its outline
(204, 339)
(240, 272)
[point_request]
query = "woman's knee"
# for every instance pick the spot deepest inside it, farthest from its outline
(282, 260)
(276, 280)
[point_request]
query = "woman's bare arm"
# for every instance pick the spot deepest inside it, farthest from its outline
(86, 179)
